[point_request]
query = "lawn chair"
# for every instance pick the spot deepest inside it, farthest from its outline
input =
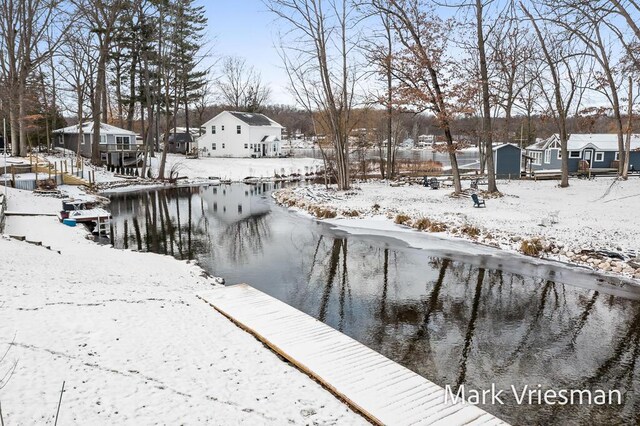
(477, 201)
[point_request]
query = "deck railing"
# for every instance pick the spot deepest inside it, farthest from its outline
(121, 147)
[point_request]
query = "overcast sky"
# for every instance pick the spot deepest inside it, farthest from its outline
(245, 28)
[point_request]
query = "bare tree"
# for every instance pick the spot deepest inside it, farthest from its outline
(564, 66)
(203, 100)
(510, 49)
(424, 67)
(380, 51)
(101, 16)
(240, 86)
(487, 131)
(28, 42)
(586, 22)
(321, 68)
(76, 69)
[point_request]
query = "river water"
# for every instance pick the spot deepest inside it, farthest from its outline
(454, 313)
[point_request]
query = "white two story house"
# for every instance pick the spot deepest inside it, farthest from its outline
(241, 134)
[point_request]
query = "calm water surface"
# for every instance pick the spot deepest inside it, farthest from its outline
(452, 317)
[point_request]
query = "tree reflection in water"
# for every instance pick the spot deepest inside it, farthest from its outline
(449, 319)
(245, 238)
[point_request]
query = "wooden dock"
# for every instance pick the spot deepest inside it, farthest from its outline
(383, 391)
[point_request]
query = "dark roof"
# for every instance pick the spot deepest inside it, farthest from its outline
(180, 137)
(253, 119)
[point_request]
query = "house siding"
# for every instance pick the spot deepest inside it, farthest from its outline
(507, 160)
(70, 142)
(634, 160)
(234, 143)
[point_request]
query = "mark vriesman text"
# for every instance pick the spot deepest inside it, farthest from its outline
(533, 395)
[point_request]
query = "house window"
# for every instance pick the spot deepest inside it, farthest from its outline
(251, 146)
(574, 154)
(599, 157)
(103, 139)
(559, 156)
(547, 156)
(222, 146)
(222, 127)
(617, 156)
(213, 130)
(246, 146)
(122, 142)
(238, 129)
(536, 158)
(213, 146)
(240, 208)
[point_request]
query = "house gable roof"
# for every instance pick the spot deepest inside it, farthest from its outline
(502, 145)
(250, 118)
(580, 141)
(87, 127)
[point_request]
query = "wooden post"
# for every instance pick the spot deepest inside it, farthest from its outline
(59, 404)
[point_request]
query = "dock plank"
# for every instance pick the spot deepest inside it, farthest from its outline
(380, 389)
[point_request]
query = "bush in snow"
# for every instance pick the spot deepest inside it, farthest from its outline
(532, 247)
(402, 219)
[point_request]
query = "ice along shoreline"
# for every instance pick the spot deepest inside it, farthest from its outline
(504, 225)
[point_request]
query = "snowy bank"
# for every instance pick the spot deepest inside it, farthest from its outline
(591, 223)
(128, 336)
(236, 169)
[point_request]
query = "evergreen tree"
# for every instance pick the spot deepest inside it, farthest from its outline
(190, 21)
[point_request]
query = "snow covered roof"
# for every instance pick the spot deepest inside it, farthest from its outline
(497, 147)
(87, 127)
(195, 131)
(580, 141)
(250, 118)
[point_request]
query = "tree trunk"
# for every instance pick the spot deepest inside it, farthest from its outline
(486, 107)
(627, 145)
(15, 143)
(21, 124)
(99, 105)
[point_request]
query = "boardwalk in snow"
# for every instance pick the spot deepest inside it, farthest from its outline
(382, 390)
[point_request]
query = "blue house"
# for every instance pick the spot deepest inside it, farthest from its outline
(597, 150)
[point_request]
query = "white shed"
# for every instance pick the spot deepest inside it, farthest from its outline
(241, 134)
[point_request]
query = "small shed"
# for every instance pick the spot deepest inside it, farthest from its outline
(507, 159)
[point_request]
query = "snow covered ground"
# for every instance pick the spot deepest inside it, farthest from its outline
(130, 339)
(236, 169)
(592, 215)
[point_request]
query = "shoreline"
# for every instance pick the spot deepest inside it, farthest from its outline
(126, 332)
(332, 207)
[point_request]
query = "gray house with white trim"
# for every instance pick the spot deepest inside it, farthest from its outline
(599, 150)
(118, 147)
